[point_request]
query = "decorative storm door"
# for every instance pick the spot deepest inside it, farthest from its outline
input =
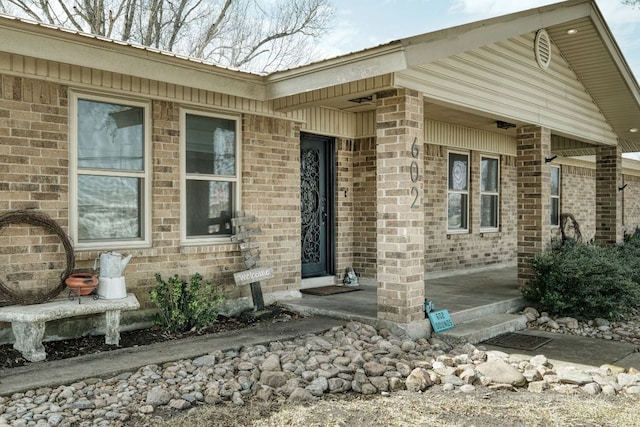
(317, 206)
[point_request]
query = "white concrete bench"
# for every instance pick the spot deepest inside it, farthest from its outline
(28, 321)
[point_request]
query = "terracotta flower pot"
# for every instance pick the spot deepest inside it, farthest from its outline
(82, 283)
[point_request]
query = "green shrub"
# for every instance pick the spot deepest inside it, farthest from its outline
(183, 306)
(630, 254)
(583, 281)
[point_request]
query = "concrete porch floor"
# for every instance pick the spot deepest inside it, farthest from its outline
(465, 296)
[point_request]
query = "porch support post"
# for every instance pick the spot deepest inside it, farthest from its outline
(534, 192)
(400, 211)
(608, 197)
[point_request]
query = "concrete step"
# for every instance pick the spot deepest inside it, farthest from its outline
(482, 329)
(506, 306)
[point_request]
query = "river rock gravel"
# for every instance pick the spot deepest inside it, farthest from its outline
(354, 358)
(627, 330)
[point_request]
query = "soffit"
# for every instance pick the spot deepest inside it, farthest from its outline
(595, 58)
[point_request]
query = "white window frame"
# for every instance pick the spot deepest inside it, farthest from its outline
(465, 192)
(145, 227)
(558, 196)
(490, 193)
(184, 176)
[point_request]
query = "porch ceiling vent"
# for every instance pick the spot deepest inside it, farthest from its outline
(542, 48)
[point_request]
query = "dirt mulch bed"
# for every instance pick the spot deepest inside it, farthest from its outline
(57, 350)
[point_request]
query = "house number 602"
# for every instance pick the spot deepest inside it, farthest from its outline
(415, 172)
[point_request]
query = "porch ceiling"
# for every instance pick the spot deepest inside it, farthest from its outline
(596, 59)
(563, 146)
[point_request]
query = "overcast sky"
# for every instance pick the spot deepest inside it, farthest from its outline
(360, 24)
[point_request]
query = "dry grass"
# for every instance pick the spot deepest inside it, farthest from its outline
(405, 409)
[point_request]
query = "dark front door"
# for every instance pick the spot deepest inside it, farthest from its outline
(317, 204)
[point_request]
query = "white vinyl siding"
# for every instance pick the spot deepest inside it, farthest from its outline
(504, 80)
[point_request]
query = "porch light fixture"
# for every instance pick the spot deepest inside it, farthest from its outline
(550, 159)
(504, 125)
(572, 31)
(633, 130)
(362, 99)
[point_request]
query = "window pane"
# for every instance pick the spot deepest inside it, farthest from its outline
(489, 175)
(489, 211)
(555, 211)
(457, 211)
(209, 208)
(555, 181)
(211, 145)
(110, 136)
(109, 207)
(458, 172)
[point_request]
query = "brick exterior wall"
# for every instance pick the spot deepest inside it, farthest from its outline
(577, 195)
(34, 153)
(373, 221)
(477, 248)
(364, 207)
(533, 193)
(166, 256)
(344, 198)
(271, 192)
(400, 227)
(608, 197)
(631, 203)
(34, 170)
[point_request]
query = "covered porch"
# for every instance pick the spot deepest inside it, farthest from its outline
(469, 297)
(518, 93)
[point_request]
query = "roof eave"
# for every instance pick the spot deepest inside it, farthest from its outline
(356, 66)
(84, 50)
(409, 52)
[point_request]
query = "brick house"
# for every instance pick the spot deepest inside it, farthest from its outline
(427, 154)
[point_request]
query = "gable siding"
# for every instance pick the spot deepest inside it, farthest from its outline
(504, 80)
(325, 121)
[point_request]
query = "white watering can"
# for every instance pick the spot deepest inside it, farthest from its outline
(112, 264)
(111, 281)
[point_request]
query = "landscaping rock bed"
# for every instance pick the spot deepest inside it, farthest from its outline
(354, 358)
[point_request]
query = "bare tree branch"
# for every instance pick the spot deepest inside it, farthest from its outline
(129, 17)
(211, 31)
(258, 35)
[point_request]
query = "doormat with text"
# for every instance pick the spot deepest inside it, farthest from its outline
(329, 290)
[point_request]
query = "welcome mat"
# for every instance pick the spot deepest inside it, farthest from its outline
(518, 341)
(329, 290)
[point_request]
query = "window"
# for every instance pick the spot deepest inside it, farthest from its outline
(554, 205)
(458, 194)
(110, 164)
(489, 193)
(211, 165)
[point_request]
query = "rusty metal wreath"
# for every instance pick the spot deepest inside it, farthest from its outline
(37, 218)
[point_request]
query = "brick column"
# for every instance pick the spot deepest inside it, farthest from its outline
(400, 209)
(608, 197)
(534, 192)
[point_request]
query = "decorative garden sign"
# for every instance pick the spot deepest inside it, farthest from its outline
(244, 229)
(441, 320)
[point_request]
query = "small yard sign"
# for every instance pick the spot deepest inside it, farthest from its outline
(251, 276)
(251, 253)
(441, 320)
